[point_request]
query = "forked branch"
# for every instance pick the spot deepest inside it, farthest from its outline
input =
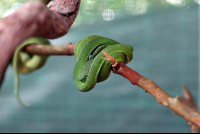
(163, 98)
(188, 100)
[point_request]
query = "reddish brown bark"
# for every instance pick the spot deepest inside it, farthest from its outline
(190, 114)
(51, 50)
(34, 19)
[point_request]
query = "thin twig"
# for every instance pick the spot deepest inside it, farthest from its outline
(51, 50)
(159, 94)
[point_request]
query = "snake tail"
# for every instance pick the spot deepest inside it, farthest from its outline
(25, 63)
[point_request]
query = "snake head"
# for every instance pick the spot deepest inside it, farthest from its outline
(90, 68)
(83, 78)
(85, 70)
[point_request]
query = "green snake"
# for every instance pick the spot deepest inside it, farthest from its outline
(90, 68)
(24, 62)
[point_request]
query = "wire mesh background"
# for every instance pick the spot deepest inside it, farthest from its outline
(164, 35)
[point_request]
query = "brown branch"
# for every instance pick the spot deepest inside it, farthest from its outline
(51, 50)
(189, 101)
(34, 19)
(159, 94)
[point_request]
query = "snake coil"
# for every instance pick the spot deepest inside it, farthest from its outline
(90, 68)
(24, 62)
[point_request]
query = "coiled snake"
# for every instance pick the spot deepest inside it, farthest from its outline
(89, 68)
(24, 62)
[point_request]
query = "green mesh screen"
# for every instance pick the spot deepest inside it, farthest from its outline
(165, 38)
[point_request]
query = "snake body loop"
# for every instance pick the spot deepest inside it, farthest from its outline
(90, 67)
(24, 62)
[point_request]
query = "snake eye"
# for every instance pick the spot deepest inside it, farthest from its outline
(84, 78)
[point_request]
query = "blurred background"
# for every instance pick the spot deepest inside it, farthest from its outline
(165, 38)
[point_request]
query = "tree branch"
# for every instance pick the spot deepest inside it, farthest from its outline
(159, 94)
(184, 106)
(34, 19)
(51, 50)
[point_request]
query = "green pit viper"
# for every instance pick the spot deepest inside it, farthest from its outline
(89, 68)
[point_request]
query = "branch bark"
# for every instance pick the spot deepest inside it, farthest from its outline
(184, 106)
(163, 98)
(34, 19)
(51, 50)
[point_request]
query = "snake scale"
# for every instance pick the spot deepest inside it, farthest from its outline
(24, 62)
(89, 68)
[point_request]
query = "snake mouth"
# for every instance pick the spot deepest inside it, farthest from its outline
(83, 79)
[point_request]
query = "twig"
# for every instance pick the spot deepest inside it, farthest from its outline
(34, 19)
(159, 94)
(51, 50)
(189, 101)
